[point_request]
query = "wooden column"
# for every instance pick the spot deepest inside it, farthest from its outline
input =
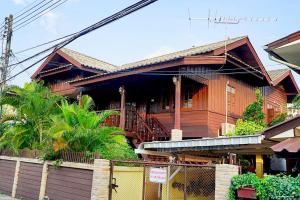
(259, 166)
(122, 107)
(177, 82)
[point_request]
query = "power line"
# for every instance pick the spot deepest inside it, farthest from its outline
(32, 12)
(43, 44)
(23, 13)
(19, 14)
(137, 6)
(39, 14)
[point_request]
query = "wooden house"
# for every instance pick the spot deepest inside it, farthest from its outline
(197, 92)
(282, 90)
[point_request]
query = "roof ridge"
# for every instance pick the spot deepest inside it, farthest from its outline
(83, 54)
(186, 50)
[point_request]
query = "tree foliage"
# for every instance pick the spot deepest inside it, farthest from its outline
(296, 101)
(248, 127)
(270, 187)
(279, 118)
(43, 121)
(254, 112)
(253, 118)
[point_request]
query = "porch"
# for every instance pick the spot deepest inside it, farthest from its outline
(151, 105)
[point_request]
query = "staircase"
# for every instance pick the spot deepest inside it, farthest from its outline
(144, 129)
(140, 128)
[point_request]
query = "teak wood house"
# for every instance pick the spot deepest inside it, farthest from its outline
(198, 90)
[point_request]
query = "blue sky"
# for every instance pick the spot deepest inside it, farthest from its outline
(160, 28)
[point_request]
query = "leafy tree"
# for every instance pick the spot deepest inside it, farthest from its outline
(27, 124)
(296, 101)
(278, 119)
(254, 112)
(79, 129)
(248, 127)
(253, 118)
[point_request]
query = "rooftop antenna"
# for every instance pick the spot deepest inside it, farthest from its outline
(229, 20)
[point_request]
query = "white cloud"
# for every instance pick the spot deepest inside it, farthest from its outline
(19, 2)
(161, 51)
(49, 21)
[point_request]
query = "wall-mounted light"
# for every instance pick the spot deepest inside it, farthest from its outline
(174, 79)
(121, 89)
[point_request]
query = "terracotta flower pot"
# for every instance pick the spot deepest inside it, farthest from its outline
(247, 193)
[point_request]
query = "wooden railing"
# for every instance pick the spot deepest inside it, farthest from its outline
(56, 87)
(161, 131)
(144, 129)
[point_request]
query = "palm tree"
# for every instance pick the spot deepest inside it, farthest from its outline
(79, 129)
(26, 126)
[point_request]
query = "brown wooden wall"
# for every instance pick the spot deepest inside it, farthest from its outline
(7, 174)
(244, 95)
(276, 97)
(69, 184)
(275, 101)
(29, 181)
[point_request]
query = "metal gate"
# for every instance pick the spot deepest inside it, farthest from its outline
(134, 180)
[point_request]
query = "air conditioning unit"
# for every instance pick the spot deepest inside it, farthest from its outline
(227, 128)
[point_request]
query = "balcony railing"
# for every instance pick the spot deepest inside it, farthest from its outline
(143, 129)
(57, 87)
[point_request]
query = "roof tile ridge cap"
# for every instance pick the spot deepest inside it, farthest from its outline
(83, 54)
(184, 50)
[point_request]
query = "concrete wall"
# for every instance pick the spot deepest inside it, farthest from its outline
(35, 179)
(224, 174)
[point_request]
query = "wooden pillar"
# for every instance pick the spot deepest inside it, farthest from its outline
(177, 82)
(259, 166)
(122, 107)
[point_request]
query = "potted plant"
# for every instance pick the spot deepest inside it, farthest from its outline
(244, 186)
(246, 192)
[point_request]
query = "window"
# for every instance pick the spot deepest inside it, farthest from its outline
(188, 97)
(230, 89)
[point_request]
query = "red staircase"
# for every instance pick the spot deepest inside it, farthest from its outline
(140, 128)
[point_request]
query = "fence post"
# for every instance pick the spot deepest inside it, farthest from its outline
(224, 174)
(101, 180)
(16, 178)
(44, 180)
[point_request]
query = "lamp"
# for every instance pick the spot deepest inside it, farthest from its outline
(174, 79)
(121, 89)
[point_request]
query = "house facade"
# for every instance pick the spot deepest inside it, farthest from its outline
(198, 92)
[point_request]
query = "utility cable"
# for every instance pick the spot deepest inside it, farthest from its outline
(39, 14)
(137, 6)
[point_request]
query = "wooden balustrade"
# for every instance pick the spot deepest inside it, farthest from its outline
(56, 87)
(143, 129)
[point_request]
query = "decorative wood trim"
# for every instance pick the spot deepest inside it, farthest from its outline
(181, 61)
(285, 40)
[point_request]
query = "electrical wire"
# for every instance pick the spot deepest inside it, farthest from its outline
(19, 14)
(23, 13)
(137, 6)
(39, 14)
(43, 44)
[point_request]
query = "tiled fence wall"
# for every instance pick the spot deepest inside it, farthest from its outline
(32, 179)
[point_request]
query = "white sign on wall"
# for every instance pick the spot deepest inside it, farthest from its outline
(158, 175)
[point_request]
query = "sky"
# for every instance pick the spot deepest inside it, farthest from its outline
(160, 28)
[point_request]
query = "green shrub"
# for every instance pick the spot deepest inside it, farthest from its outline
(270, 187)
(278, 119)
(254, 112)
(248, 127)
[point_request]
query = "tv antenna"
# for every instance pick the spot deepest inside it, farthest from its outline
(229, 19)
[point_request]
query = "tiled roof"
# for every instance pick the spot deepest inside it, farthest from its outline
(275, 74)
(180, 54)
(88, 61)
